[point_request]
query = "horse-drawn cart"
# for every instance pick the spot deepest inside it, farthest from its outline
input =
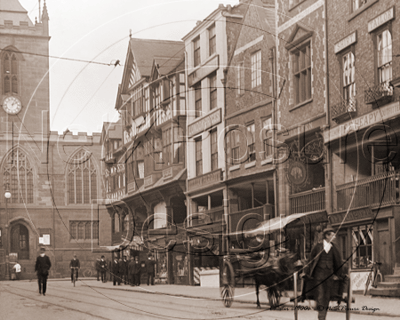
(273, 266)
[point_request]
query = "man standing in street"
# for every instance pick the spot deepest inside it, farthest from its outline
(75, 266)
(98, 269)
(115, 272)
(137, 271)
(131, 271)
(126, 277)
(17, 270)
(326, 263)
(103, 269)
(42, 268)
(150, 269)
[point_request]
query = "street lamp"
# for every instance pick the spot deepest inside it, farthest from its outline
(7, 195)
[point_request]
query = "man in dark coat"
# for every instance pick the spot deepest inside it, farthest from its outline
(115, 272)
(103, 269)
(121, 270)
(126, 273)
(150, 269)
(325, 267)
(131, 271)
(42, 268)
(137, 271)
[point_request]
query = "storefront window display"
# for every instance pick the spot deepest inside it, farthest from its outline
(180, 268)
(161, 267)
(362, 240)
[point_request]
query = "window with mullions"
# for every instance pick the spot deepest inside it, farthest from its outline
(251, 142)
(18, 172)
(240, 78)
(199, 157)
(384, 46)
(197, 98)
(356, 4)
(179, 146)
(212, 40)
(10, 73)
(214, 150)
(267, 138)
(362, 246)
(235, 145)
(302, 73)
(84, 230)
(213, 91)
(196, 51)
(256, 69)
(167, 142)
(349, 85)
(82, 178)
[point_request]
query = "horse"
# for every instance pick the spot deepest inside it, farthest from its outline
(274, 275)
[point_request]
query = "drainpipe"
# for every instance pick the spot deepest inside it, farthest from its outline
(328, 167)
(272, 59)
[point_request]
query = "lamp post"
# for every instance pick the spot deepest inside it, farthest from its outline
(7, 195)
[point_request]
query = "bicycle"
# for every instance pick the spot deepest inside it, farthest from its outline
(74, 274)
(374, 275)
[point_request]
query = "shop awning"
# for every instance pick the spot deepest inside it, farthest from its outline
(276, 224)
(136, 244)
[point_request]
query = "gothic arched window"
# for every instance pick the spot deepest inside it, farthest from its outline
(81, 178)
(18, 172)
(10, 73)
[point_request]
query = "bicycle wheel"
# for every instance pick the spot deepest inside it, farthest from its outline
(367, 283)
(377, 279)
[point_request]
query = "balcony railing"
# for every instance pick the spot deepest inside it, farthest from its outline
(381, 93)
(208, 216)
(313, 200)
(109, 158)
(115, 195)
(378, 190)
(344, 110)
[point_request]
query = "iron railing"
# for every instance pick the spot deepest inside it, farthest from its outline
(380, 92)
(312, 200)
(375, 191)
(343, 108)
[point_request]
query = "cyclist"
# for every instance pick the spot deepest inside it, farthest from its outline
(75, 266)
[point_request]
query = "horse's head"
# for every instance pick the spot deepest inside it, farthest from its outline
(286, 262)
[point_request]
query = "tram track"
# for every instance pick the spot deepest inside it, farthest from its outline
(122, 300)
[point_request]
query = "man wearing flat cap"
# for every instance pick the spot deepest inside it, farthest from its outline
(325, 266)
(42, 268)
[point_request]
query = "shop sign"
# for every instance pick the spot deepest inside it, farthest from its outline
(131, 186)
(358, 280)
(297, 173)
(148, 181)
(167, 173)
(377, 116)
(205, 180)
(350, 39)
(381, 19)
(352, 215)
(205, 123)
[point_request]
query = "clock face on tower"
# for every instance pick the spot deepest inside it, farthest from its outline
(12, 105)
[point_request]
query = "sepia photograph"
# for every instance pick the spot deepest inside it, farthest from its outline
(199, 159)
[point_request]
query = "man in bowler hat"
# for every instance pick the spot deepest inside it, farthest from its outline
(325, 267)
(42, 267)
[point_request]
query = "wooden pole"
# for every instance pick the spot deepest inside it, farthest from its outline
(295, 295)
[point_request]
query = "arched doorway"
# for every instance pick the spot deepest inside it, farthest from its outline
(20, 241)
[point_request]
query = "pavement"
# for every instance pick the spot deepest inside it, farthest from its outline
(366, 305)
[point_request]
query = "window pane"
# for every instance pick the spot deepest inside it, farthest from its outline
(93, 185)
(78, 186)
(88, 231)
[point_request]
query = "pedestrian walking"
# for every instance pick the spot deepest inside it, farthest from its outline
(126, 277)
(137, 271)
(325, 267)
(131, 271)
(115, 272)
(103, 269)
(42, 267)
(17, 270)
(121, 270)
(150, 269)
(75, 266)
(98, 269)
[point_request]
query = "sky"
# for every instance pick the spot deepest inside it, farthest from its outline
(83, 94)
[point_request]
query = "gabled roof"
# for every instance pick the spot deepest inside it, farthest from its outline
(12, 10)
(145, 50)
(112, 130)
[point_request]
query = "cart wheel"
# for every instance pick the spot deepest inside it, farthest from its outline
(273, 297)
(228, 284)
(227, 295)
